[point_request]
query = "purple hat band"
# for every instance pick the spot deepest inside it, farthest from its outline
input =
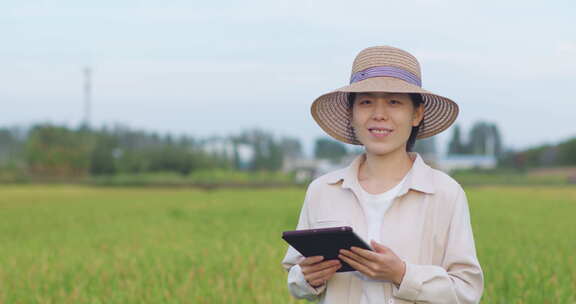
(389, 71)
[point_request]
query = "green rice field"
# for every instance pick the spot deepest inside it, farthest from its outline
(75, 244)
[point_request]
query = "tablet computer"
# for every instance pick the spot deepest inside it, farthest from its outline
(326, 242)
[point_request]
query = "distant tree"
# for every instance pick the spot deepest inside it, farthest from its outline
(122, 150)
(103, 155)
(498, 149)
(58, 151)
(356, 149)
(549, 156)
(326, 148)
(236, 161)
(484, 139)
(268, 153)
(567, 152)
(456, 146)
(532, 157)
(291, 147)
(11, 147)
(425, 145)
(546, 155)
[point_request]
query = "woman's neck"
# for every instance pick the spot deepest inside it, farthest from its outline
(386, 167)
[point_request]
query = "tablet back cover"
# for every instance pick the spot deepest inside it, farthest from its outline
(326, 242)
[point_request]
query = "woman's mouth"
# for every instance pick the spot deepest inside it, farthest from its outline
(380, 132)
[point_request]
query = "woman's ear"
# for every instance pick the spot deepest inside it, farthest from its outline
(418, 115)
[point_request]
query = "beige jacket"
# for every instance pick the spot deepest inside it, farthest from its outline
(427, 225)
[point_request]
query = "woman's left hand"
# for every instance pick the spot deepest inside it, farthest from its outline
(382, 264)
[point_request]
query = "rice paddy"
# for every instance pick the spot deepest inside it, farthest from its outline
(75, 244)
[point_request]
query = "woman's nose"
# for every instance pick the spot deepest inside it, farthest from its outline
(380, 111)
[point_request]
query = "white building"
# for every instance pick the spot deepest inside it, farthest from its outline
(451, 162)
(225, 147)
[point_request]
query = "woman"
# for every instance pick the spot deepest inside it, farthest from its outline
(415, 217)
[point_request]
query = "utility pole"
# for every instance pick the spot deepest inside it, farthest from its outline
(87, 95)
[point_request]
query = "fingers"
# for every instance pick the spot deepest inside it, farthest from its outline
(317, 272)
(306, 269)
(378, 247)
(312, 260)
(356, 265)
(320, 277)
(367, 254)
(356, 257)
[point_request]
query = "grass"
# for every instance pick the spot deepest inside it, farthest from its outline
(75, 244)
(471, 178)
(197, 177)
(212, 177)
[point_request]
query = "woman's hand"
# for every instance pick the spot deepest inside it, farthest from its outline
(382, 264)
(317, 272)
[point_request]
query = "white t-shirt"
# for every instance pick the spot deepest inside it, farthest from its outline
(374, 206)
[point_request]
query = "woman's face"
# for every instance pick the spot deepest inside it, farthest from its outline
(393, 113)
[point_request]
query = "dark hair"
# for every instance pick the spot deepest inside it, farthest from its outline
(416, 101)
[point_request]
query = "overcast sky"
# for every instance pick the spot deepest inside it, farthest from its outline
(217, 67)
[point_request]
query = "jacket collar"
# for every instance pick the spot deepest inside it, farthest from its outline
(418, 178)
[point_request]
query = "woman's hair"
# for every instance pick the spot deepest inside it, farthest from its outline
(416, 101)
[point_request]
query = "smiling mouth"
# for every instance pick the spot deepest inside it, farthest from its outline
(380, 132)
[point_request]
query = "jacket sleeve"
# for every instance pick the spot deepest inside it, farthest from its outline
(459, 279)
(297, 284)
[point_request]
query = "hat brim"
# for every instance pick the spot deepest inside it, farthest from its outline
(331, 112)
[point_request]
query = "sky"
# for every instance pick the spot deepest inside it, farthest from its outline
(205, 68)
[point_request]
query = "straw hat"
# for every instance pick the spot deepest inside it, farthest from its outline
(382, 69)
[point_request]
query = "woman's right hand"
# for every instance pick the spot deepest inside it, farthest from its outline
(316, 271)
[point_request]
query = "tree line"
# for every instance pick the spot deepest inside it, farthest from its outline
(59, 151)
(53, 150)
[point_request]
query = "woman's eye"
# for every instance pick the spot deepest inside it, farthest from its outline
(394, 101)
(364, 101)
